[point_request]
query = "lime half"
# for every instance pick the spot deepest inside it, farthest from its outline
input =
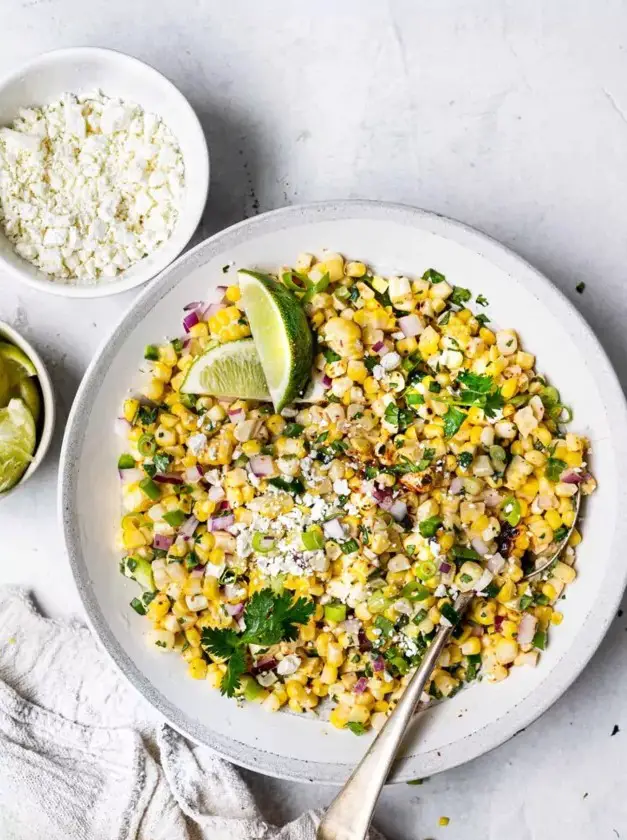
(16, 362)
(281, 334)
(5, 384)
(229, 370)
(17, 443)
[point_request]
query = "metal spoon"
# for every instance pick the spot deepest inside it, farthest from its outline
(350, 813)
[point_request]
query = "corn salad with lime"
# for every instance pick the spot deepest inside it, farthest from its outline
(310, 554)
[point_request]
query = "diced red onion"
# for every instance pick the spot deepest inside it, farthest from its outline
(192, 306)
(492, 498)
(122, 427)
(364, 642)
(193, 475)
(190, 320)
(398, 510)
(333, 529)
(197, 574)
(527, 629)
(457, 485)
(383, 497)
(168, 478)
(261, 465)
(131, 476)
(327, 381)
(216, 493)
(496, 563)
(221, 523)
(188, 527)
(236, 413)
(162, 542)
(221, 289)
(445, 567)
(498, 622)
(211, 309)
(572, 477)
(479, 546)
(411, 325)
(351, 625)
(264, 665)
(380, 345)
(477, 630)
(484, 580)
(224, 505)
(361, 685)
(378, 665)
(234, 610)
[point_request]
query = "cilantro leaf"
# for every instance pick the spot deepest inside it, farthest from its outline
(494, 402)
(235, 668)
(294, 486)
(483, 319)
(460, 296)
(475, 382)
(482, 301)
(220, 643)
(453, 419)
(356, 728)
(428, 527)
(433, 276)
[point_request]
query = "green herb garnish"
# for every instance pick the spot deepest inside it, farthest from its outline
(428, 527)
(269, 619)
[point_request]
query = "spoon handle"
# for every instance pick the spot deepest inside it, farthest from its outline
(350, 813)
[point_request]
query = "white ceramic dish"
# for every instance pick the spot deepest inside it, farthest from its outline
(7, 333)
(392, 238)
(83, 70)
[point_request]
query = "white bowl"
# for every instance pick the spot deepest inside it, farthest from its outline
(48, 411)
(85, 69)
(393, 239)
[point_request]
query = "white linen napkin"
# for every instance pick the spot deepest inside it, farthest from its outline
(83, 757)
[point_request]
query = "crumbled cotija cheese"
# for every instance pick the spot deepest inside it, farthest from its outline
(88, 186)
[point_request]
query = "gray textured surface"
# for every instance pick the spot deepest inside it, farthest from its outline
(510, 117)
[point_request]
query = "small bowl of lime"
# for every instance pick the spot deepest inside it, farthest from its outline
(27, 410)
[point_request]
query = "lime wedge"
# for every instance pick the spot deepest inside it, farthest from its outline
(229, 370)
(16, 362)
(281, 334)
(27, 390)
(5, 384)
(17, 443)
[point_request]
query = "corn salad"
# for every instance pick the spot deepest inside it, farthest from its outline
(434, 462)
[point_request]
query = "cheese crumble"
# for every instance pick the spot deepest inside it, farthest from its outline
(89, 185)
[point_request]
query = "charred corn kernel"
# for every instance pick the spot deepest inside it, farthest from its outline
(355, 269)
(158, 607)
(509, 388)
(197, 669)
(575, 538)
(214, 675)
(251, 447)
(130, 409)
(322, 644)
(564, 572)
(444, 821)
(232, 294)
(275, 424)
(204, 509)
(154, 390)
(335, 654)
(568, 517)
(549, 590)
(553, 518)
(471, 646)
(329, 674)
(357, 371)
(339, 716)
(557, 617)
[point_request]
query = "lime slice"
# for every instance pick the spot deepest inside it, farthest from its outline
(17, 443)
(229, 370)
(281, 334)
(27, 390)
(16, 362)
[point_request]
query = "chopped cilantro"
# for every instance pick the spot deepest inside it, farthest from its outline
(453, 420)
(428, 527)
(580, 287)
(460, 296)
(482, 301)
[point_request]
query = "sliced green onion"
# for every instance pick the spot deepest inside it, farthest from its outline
(262, 543)
(293, 430)
(126, 462)
(151, 352)
(335, 612)
(429, 526)
(415, 591)
(138, 606)
(147, 445)
(539, 640)
(174, 518)
(425, 569)
(349, 547)
(150, 489)
(313, 539)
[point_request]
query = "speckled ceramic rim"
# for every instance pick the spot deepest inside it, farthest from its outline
(594, 625)
(186, 225)
(48, 405)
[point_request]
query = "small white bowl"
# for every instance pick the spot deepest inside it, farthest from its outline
(85, 69)
(45, 429)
